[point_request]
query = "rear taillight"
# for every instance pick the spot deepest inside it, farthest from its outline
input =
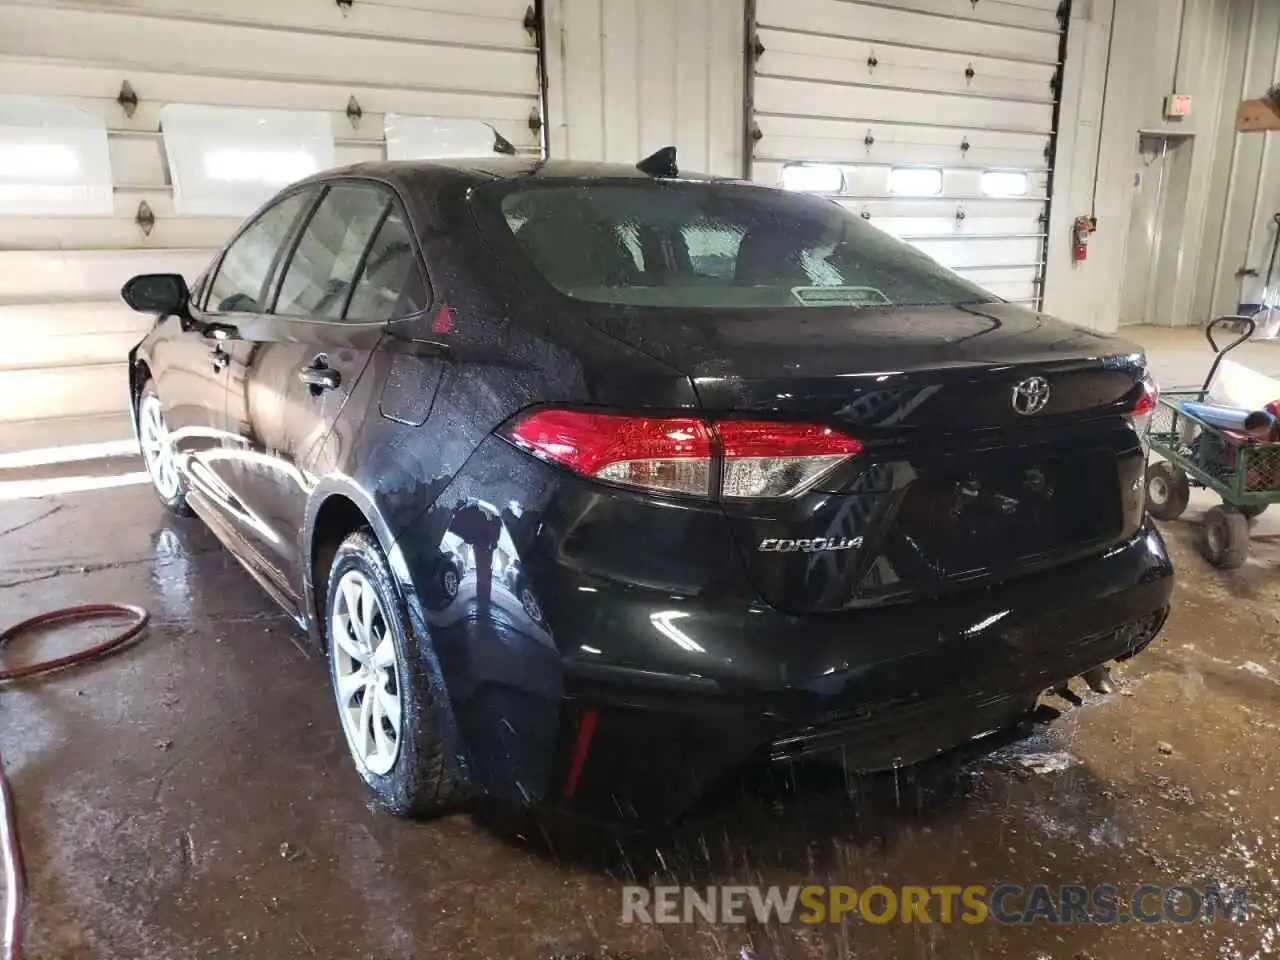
(1140, 415)
(763, 459)
(742, 459)
(658, 454)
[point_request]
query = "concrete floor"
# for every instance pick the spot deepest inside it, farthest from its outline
(1180, 357)
(193, 797)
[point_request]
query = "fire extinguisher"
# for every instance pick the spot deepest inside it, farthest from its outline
(1080, 231)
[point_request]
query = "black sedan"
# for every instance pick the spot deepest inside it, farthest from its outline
(598, 482)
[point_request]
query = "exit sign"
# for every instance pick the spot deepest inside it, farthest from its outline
(1178, 105)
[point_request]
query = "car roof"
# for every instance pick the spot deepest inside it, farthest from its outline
(502, 168)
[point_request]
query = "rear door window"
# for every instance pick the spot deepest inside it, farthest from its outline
(391, 284)
(318, 281)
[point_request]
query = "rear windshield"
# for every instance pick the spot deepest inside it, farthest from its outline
(711, 246)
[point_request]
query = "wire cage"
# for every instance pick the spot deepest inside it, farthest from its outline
(1241, 470)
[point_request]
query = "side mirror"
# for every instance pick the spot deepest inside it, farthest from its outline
(159, 293)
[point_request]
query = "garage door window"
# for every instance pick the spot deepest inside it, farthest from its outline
(228, 161)
(429, 138)
(241, 283)
(53, 159)
(1004, 183)
(915, 181)
(813, 177)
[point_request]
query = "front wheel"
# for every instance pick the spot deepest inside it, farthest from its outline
(382, 681)
(1168, 491)
(158, 453)
(1226, 537)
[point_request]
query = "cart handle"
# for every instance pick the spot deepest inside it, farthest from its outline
(1249, 326)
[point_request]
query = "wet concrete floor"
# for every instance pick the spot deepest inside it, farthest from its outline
(192, 797)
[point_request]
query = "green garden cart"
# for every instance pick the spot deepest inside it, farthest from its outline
(1243, 471)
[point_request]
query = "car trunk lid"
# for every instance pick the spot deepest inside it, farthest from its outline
(963, 479)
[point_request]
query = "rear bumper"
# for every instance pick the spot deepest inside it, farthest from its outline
(637, 701)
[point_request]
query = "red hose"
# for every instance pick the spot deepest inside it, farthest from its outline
(15, 881)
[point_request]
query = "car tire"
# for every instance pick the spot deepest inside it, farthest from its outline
(1168, 491)
(1225, 537)
(381, 677)
(157, 452)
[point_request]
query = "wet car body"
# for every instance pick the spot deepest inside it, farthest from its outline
(921, 593)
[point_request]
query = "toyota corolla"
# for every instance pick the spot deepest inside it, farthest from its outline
(598, 482)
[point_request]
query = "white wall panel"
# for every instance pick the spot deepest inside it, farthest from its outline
(960, 253)
(98, 87)
(77, 276)
(805, 138)
(471, 59)
(89, 333)
(627, 77)
(843, 60)
(82, 34)
(473, 22)
(84, 390)
(1006, 30)
(1240, 225)
(1124, 57)
(789, 97)
(956, 86)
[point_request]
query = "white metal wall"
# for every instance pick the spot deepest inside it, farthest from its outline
(955, 85)
(1123, 58)
(626, 77)
(61, 320)
(1246, 181)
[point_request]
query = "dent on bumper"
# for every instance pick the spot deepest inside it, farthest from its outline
(660, 696)
(636, 640)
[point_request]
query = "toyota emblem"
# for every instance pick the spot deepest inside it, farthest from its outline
(1030, 395)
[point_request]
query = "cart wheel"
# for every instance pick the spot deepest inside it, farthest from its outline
(1226, 537)
(1253, 510)
(1167, 491)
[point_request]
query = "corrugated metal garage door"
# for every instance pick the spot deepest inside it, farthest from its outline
(64, 329)
(938, 113)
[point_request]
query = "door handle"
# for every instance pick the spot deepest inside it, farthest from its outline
(318, 375)
(220, 358)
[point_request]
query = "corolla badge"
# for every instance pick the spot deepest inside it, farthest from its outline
(810, 545)
(1030, 395)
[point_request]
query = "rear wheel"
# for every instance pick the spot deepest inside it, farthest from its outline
(382, 682)
(1226, 537)
(1168, 491)
(158, 453)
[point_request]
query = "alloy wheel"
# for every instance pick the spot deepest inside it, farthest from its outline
(364, 659)
(157, 447)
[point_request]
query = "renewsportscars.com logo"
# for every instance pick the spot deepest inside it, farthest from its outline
(1007, 903)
